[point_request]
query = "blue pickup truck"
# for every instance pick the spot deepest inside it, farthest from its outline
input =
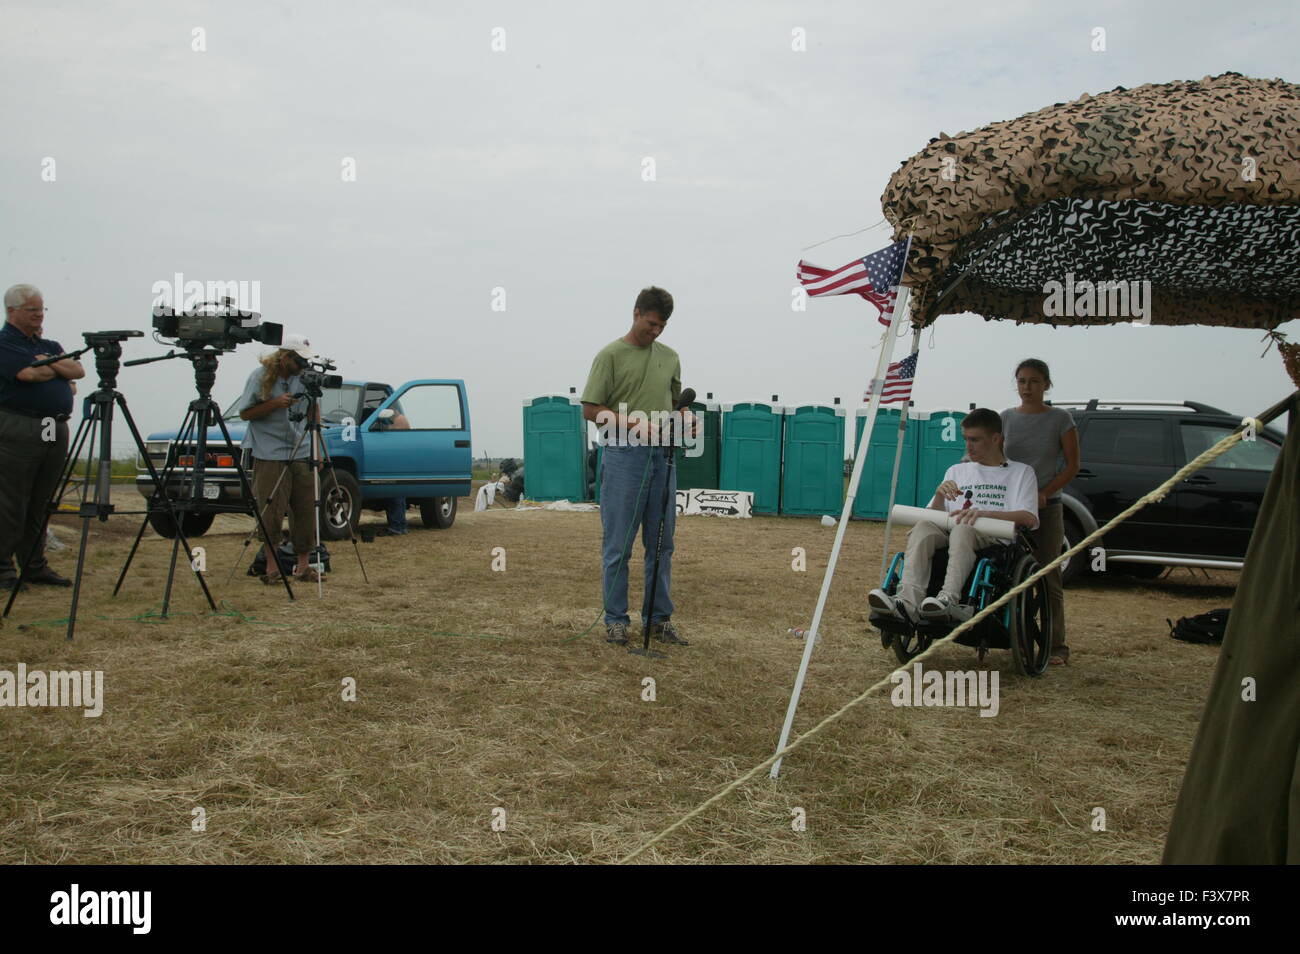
(374, 461)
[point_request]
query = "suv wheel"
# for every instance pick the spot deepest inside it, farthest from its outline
(341, 504)
(439, 512)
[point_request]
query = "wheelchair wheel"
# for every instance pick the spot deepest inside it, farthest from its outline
(1031, 621)
(907, 648)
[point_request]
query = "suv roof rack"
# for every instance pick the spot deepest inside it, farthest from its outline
(1095, 403)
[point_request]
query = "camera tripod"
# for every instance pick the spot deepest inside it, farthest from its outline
(202, 414)
(317, 445)
(107, 346)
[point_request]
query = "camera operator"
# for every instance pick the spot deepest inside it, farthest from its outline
(281, 453)
(32, 454)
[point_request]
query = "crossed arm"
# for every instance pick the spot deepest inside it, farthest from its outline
(68, 368)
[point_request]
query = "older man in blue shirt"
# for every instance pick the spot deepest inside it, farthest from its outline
(35, 404)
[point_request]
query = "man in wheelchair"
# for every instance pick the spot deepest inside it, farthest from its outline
(984, 484)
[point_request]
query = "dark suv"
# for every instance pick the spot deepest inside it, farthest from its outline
(1128, 448)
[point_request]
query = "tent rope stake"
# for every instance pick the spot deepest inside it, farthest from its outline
(1222, 447)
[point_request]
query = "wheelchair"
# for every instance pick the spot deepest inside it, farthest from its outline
(1024, 625)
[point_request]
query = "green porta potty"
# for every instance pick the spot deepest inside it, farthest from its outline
(872, 500)
(812, 478)
(703, 471)
(555, 448)
(751, 452)
(941, 445)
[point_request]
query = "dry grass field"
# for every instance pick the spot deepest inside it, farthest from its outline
(472, 695)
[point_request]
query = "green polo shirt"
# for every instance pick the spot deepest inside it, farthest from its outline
(645, 379)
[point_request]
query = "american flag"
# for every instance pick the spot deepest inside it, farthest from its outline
(874, 277)
(898, 382)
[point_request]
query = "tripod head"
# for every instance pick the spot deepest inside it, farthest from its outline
(107, 346)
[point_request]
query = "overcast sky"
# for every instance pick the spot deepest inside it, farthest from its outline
(522, 169)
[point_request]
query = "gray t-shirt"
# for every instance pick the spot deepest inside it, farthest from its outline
(1035, 439)
(273, 437)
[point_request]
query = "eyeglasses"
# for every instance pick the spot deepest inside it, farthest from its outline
(33, 311)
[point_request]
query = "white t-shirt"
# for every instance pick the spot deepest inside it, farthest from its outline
(1009, 486)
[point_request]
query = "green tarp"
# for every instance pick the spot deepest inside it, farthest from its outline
(1240, 801)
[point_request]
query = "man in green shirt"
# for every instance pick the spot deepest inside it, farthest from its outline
(634, 381)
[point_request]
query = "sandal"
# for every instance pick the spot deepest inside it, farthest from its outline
(273, 579)
(308, 574)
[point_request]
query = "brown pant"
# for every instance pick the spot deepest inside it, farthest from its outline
(295, 494)
(1047, 547)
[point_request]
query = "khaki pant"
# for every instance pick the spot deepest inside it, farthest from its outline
(922, 542)
(1047, 547)
(295, 495)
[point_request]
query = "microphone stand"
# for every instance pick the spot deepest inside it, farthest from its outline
(670, 456)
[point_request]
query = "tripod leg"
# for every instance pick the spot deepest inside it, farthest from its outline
(158, 488)
(198, 424)
(76, 580)
(160, 493)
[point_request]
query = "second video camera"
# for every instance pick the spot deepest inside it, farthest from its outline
(220, 325)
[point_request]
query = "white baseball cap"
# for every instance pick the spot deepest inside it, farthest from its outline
(298, 344)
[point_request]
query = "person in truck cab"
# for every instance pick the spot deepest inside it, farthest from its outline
(282, 478)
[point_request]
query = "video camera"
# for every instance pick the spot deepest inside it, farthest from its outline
(218, 325)
(313, 375)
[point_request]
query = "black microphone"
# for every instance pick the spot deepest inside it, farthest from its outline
(686, 400)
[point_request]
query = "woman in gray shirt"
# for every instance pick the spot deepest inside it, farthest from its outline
(1046, 439)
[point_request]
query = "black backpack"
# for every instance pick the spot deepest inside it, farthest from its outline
(1204, 628)
(284, 556)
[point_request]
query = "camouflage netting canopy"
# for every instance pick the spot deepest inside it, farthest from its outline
(1192, 186)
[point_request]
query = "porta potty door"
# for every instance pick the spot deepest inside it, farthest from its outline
(942, 445)
(812, 478)
(555, 448)
(751, 452)
(872, 500)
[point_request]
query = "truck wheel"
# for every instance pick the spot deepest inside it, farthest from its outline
(438, 512)
(341, 504)
(192, 524)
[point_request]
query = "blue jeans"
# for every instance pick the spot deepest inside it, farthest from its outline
(397, 514)
(631, 498)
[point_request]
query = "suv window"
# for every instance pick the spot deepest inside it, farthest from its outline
(1125, 441)
(1258, 454)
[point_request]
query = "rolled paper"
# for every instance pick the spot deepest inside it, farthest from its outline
(910, 516)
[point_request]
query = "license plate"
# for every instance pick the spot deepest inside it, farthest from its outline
(211, 491)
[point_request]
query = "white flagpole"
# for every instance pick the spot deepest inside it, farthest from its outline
(898, 459)
(860, 457)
